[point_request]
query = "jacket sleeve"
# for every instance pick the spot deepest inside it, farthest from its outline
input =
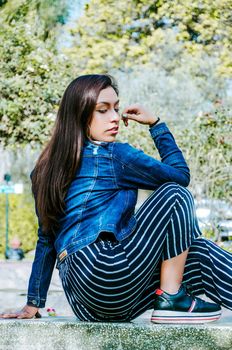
(42, 269)
(135, 169)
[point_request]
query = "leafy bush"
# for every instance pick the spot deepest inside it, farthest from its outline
(120, 34)
(31, 81)
(174, 58)
(22, 220)
(208, 149)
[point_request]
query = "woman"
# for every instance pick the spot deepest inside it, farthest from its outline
(115, 264)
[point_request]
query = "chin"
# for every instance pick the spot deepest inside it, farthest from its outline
(111, 139)
(107, 139)
(104, 138)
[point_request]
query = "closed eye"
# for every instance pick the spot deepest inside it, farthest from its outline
(105, 110)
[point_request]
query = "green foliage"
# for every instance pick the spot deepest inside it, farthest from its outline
(172, 56)
(207, 146)
(50, 13)
(22, 220)
(31, 81)
(203, 128)
(2, 2)
(204, 25)
(43, 14)
(19, 162)
(118, 34)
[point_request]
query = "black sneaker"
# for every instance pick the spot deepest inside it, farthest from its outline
(183, 307)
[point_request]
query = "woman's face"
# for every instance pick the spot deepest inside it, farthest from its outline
(105, 122)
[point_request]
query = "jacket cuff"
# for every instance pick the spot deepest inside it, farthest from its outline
(158, 129)
(35, 301)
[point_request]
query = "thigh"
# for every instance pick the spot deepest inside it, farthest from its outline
(166, 226)
(98, 283)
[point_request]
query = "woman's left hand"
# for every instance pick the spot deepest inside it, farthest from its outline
(26, 312)
(139, 114)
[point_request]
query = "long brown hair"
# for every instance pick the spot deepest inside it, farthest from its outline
(58, 162)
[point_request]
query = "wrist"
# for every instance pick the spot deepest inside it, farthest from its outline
(154, 122)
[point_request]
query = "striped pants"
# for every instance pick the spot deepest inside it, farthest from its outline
(115, 281)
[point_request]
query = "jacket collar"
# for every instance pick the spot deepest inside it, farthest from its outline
(95, 142)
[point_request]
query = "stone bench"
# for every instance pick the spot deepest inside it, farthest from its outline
(66, 333)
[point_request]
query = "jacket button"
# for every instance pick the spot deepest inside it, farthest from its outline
(34, 302)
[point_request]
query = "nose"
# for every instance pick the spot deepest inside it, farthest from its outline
(114, 116)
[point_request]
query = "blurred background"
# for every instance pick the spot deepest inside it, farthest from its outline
(172, 56)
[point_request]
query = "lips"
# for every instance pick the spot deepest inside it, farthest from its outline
(115, 128)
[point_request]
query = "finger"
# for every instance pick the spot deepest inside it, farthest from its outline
(10, 315)
(125, 120)
(124, 115)
(134, 108)
(24, 315)
(28, 315)
(131, 116)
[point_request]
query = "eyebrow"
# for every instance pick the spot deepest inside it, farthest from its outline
(107, 103)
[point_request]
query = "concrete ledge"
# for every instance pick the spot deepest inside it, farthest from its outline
(66, 333)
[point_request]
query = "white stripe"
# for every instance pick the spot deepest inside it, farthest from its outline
(98, 307)
(214, 248)
(215, 266)
(148, 226)
(153, 209)
(174, 236)
(137, 292)
(180, 228)
(190, 226)
(154, 196)
(106, 272)
(214, 257)
(131, 282)
(219, 279)
(215, 283)
(183, 222)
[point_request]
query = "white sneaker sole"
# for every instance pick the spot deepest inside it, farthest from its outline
(159, 316)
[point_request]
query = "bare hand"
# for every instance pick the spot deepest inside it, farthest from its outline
(26, 312)
(138, 113)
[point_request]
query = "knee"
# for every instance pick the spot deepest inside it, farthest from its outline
(175, 192)
(169, 194)
(173, 187)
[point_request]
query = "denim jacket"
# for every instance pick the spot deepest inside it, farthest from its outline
(102, 197)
